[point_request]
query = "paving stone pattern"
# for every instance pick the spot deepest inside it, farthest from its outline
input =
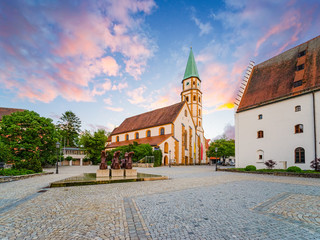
(196, 203)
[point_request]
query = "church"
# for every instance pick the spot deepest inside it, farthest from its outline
(278, 117)
(176, 130)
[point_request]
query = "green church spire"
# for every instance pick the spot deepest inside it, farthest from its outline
(191, 69)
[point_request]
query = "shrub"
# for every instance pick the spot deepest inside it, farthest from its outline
(270, 164)
(15, 172)
(69, 158)
(315, 164)
(250, 168)
(157, 158)
(294, 169)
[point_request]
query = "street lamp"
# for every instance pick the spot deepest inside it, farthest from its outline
(216, 150)
(58, 147)
(169, 158)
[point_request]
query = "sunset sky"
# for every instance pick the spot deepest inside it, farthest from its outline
(109, 60)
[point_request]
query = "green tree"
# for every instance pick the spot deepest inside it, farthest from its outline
(5, 153)
(30, 139)
(94, 144)
(69, 126)
(225, 148)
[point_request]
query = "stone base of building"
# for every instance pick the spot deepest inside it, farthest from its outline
(103, 173)
(117, 172)
(130, 172)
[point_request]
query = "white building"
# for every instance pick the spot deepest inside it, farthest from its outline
(278, 117)
(176, 129)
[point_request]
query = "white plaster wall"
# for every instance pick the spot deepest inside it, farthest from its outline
(279, 140)
(171, 144)
(187, 121)
(143, 133)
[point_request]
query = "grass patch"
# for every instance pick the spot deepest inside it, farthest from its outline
(15, 172)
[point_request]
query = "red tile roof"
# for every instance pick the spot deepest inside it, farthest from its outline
(8, 111)
(154, 118)
(153, 141)
(273, 79)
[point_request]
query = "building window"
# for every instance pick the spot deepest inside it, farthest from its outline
(194, 98)
(299, 155)
(185, 113)
(161, 131)
(297, 83)
(199, 99)
(260, 116)
(297, 108)
(137, 135)
(300, 67)
(302, 53)
(260, 134)
(166, 147)
(194, 83)
(127, 137)
(298, 128)
(148, 133)
(187, 99)
(187, 83)
(185, 139)
(117, 138)
(260, 155)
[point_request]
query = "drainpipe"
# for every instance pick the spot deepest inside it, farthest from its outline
(314, 126)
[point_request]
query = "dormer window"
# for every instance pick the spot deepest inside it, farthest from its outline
(297, 83)
(148, 133)
(260, 116)
(300, 67)
(302, 53)
(117, 138)
(127, 137)
(297, 108)
(137, 135)
(161, 131)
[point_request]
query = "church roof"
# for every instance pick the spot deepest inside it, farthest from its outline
(273, 80)
(153, 118)
(191, 69)
(8, 111)
(153, 141)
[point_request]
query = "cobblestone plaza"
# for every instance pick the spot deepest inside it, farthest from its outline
(196, 203)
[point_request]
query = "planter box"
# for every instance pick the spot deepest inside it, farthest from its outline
(130, 172)
(117, 172)
(103, 173)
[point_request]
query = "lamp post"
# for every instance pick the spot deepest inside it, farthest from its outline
(58, 147)
(216, 150)
(169, 158)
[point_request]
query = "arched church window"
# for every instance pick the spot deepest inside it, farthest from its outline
(299, 155)
(194, 98)
(166, 147)
(137, 135)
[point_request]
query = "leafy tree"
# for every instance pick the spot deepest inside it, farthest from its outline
(157, 158)
(225, 148)
(5, 153)
(94, 144)
(140, 151)
(30, 139)
(69, 126)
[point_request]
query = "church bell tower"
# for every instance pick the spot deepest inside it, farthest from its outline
(191, 91)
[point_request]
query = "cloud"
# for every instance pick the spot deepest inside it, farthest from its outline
(63, 48)
(114, 109)
(136, 95)
(228, 132)
(205, 28)
(120, 86)
(96, 127)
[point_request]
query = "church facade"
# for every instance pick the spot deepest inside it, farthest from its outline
(278, 117)
(176, 130)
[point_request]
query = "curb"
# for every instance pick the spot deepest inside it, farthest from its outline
(285, 174)
(20, 177)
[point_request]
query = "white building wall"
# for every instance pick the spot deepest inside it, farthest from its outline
(171, 147)
(143, 133)
(279, 141)
(187, 122)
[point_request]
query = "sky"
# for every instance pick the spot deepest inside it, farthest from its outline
(109, 60)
